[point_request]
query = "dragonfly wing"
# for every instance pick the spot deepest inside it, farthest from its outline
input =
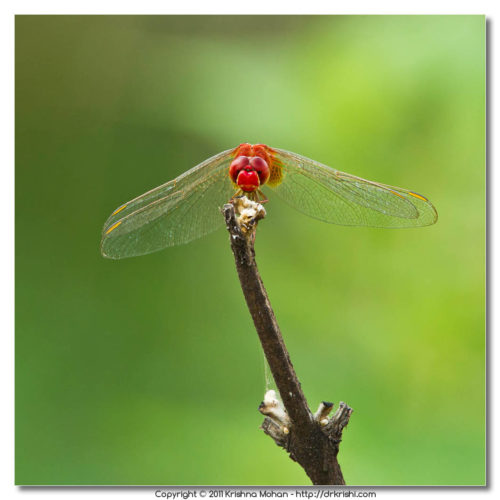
(172, 214)
(339, 198)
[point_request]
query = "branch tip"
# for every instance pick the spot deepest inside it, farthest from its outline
(247, 214)
(272, 408)
(324, 408)
(339, 421)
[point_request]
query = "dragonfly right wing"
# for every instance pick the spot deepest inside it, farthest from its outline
(172, 214)
(340, 198)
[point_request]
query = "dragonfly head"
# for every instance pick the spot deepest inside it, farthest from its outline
(249, 172)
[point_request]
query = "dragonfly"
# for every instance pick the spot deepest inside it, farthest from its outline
(188, 206)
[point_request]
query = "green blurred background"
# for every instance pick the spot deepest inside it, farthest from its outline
(148, 370)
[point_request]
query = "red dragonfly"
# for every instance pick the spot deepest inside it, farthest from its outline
(189, 206)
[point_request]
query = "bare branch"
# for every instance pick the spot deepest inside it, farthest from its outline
(264, 319)
(311, 440)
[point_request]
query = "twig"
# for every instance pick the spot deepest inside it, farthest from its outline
(311, 440)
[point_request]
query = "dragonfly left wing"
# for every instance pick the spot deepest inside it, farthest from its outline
(172, 214)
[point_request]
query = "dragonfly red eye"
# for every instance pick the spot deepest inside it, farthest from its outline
(261, 167)
(236, 166)
(248, 180)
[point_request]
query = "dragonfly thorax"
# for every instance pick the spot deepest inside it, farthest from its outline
(248, 173)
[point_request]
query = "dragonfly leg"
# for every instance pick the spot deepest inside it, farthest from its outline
(238, 194)
(264, 197)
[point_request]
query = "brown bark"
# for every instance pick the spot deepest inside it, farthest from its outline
(311, 440)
